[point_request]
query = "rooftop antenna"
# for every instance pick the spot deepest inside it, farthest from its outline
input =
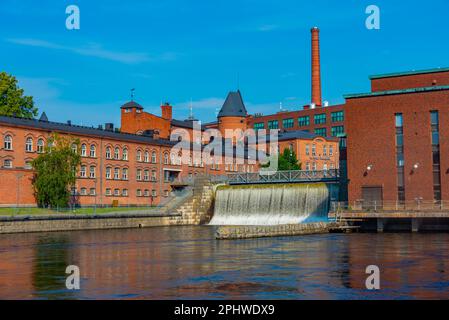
(132, 94)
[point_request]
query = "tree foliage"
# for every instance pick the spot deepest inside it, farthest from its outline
(56, 171)
(13, 102)
(287, 161)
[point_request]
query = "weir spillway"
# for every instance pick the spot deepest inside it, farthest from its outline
(270, 204)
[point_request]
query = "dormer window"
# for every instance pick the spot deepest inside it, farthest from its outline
(127, 110)
(138, 111)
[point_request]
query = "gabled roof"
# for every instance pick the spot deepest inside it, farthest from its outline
(131, 104)
(233, 106)
(43, 117)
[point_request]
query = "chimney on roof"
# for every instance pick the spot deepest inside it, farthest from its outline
(109, 127)
(316, 68)
(166, 111)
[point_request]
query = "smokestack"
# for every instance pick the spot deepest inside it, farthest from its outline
(316, 69)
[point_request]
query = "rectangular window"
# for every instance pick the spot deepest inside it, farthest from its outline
(273, 124)
(288, 123)
(320, 118)
(321, 132)
(337, 116)
(337, 131)
(400, 162)
(259, 125)
(304, 121)
(435, 124)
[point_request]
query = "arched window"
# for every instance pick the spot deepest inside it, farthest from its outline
(108, 172)
(74, 148)
(29, 145)
(83, 171)
(40, 145)
(139, 156)
(117, 153)
(153, 157)
(93, 152)
(83, 150)
(125, 174)
(108, 153)
(92, 172)
(117, 173)
(146, 157)
(125, 154)
(8, 143)
(166, 158)
(139, 175)
(146, 175)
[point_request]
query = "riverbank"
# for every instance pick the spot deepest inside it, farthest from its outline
(73, 222)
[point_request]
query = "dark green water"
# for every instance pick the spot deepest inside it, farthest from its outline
(188, 263)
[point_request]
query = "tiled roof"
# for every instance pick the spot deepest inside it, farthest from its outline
(81, 130)
(233, 106)
(131, 104)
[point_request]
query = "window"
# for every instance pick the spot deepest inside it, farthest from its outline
(139, 156)
(7, 164)
(108, 153)
(92, 191)
(165, 158)
(83, 150)
(320, 118)
(307, 149)
(108, 172)
(92, 172)
(398, 120)
(8, 143)
(324, 150)
(435, 122)
(313, 149)
(40, 146)
(288, 123)
(139, 192)
(325, 166)
(93, 152)
(321, 132)
(125, 154)
(337, 131)
(146, 157)
(166, 193)
(307, 166)
(153, 157)
(74, 148)
(331, 150)
(273, 124)
(125, 174)
(83, 191)
(83, 170)
(108, 191)
(153, 175)
(153, 193)
(304, 121)
(28, 165)
(400, 162)
(125, 192)
(117, 153)
(147, 193)
(337, 116)
(314, 166)
(259, 126)
(146, 175)
(117, 173)
(117, 192)
(29, 145)
(139, 175)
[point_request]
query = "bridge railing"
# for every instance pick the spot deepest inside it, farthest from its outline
(389, 206)
(284, 177)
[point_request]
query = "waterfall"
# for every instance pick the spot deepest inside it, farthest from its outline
(270, 204)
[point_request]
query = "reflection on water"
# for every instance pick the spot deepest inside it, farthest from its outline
(188, 263)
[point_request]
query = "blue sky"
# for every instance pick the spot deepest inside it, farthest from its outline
(179, 51)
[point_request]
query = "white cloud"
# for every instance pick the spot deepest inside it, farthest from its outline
(95, 50)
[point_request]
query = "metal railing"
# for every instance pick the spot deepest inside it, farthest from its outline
(284, 177)
(389, 206)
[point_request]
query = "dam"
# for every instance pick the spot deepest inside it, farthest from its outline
(271, 204)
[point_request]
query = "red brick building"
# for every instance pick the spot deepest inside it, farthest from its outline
(398, 138)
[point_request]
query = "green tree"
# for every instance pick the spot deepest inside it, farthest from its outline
(56, 171)
(12, 100)
(287, 161)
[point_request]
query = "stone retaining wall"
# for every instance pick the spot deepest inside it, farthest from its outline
(245, 232)
(47, 224)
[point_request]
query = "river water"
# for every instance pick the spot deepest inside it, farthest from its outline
(188, 263)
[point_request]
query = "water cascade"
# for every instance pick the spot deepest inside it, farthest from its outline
(270, 204)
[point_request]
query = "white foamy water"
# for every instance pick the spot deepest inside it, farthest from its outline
(270, 204)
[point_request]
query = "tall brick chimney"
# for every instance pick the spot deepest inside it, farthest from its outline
(166, 111)
(316, 69)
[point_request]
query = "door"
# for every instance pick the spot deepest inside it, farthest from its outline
(372, 197)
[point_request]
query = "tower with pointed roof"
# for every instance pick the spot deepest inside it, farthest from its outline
(233, 113)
